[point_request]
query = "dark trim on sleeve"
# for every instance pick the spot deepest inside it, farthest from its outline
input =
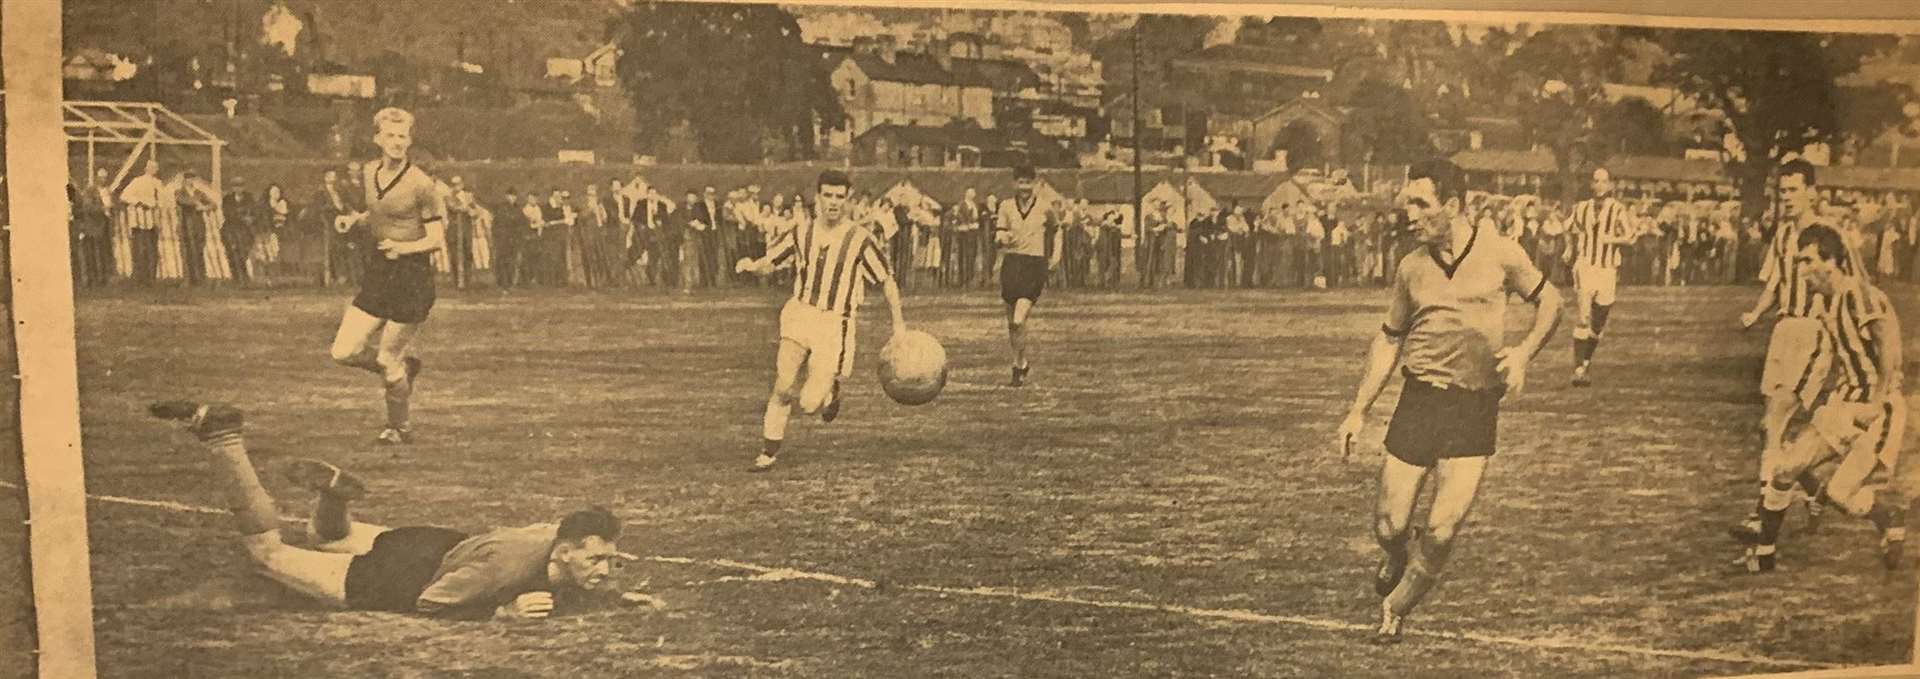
(1534, 296)
(1389, 331)
(434, 218)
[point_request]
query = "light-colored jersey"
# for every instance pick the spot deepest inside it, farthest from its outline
(1452, 315)
(1784, 280)
(1029, 226)
(1595, 222)
(401, 208)
(1857, 351)
(833, 265)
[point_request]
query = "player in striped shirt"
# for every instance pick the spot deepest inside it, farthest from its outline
(833, 259)
(1799, 354)
(1599, 228)
(1860, 424)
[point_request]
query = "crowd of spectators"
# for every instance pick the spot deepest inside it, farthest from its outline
(630, 234)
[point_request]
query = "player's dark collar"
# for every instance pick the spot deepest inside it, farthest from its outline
(1449, 268)
(1025, 210)
(381, 191)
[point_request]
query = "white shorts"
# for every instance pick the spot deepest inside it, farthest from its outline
(1798, 358)
(828, 338)
(1866, 438)
(1595, 284)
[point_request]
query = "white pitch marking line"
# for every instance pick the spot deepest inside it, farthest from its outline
(1236, 615)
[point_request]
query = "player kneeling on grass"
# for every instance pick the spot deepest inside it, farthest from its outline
(510, 572)
(1863, 419)
(1445, 319)
(833, 261)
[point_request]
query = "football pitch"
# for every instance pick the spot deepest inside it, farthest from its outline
(1162, 500)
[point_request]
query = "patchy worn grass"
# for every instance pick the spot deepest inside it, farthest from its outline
(1161, 502)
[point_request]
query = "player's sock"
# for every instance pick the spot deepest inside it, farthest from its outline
(1773, 512)
(1600, 312)
(253, 508)
(1882, 518)
(1889, 517)
(330, 520)
(1582, 348)
(399, 396)
(1763, 559)
(774, 427)
(1395, 566)
(1423, 574)
(832, 410)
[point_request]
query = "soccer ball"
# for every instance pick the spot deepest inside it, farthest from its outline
(913, 368)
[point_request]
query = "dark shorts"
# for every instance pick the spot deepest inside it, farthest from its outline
(1432, 424)
(391, 576)
(1022, 277)
(398, 290)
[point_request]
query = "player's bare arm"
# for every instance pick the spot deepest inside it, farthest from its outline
(1513, 360)
(891, 291)
(1886, 333)
(1383, 355)
(435, 239)
(1769, 290)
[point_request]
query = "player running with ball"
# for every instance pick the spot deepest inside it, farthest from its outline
(833, 260)
(408, 221)
(1445, 321)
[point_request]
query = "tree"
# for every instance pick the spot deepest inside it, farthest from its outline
(735, 73)
(1777, 90)
(1386, 125)
(1562, 70)
(1633, 126)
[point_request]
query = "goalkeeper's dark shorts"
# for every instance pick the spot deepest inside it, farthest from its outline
(402, 562)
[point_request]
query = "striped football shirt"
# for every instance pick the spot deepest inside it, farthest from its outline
(833, 265)
(1594, 221)
(1784, 280)
(1857, 351)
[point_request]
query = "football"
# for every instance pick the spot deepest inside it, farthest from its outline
(913, 368)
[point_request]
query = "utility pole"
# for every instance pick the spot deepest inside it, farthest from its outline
(1139, 223)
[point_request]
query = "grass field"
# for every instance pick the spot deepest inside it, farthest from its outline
(1162, 501)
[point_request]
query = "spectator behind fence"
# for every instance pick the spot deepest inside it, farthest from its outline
(509, 232)
(92, 246)
(142, 198)
(239, 221)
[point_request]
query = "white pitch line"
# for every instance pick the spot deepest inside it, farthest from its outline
(772, 573)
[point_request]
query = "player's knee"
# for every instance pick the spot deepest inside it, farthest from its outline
(1853, 501)
(1385, 530)
(263, 549)
(344, 354)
